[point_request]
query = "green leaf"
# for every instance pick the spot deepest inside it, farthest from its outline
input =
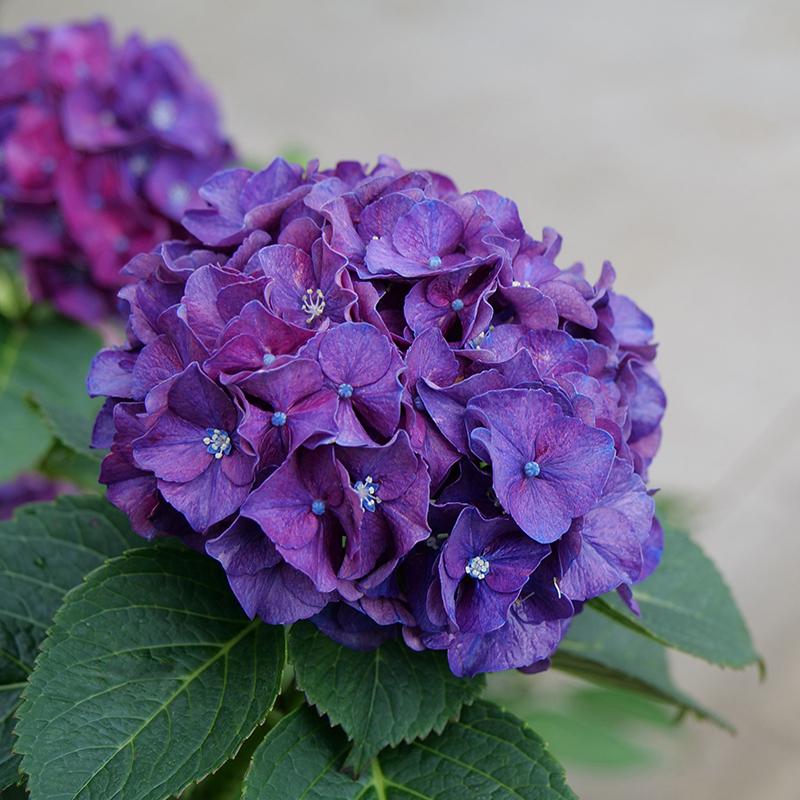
(380, 697)
(44, 551)
(601, 651)
(63, 463)
(487, 755)
(14, 298)
(24, 436)
(150, 678)
(226, 783)
(54, 362)
(584, 742)
(43, 367)
(14, 793)
(686, 604)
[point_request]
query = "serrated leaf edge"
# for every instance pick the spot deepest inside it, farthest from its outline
(47, 640)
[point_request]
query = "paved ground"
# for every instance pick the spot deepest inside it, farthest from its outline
(663, 136)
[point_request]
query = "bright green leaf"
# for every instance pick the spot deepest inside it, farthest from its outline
(44, 551)
(24, 436)
(598, 649)
(14, 298)
(150, 678)
(380, 697)
(487, 755)
(686, 604)
(584, 742)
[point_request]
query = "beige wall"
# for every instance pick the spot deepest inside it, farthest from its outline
(665, 136)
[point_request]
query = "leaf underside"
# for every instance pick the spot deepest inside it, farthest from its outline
(686, 604)
(599, 650)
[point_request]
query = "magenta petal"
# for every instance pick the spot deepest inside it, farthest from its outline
(157, 362)
(534, 309)
(355, 353)
(284, 385)
(611, 537)
(447, 406)
(197, 399)
(351, 432)
(173, 449)
(429, 229)
(207, 499)
(110, 373)
(264, 585)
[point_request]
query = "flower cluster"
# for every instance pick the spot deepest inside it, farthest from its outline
(102, 149)
(379, 404)
(30, 487)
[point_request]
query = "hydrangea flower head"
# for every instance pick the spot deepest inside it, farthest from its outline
(381, 405)
(102, 149)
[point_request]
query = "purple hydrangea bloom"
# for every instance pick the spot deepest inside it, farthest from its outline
(30, 487)
(102, 150)
(382, 406)
(483, 567)
(547, 469)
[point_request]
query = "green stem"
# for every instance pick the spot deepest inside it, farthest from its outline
(378, 780)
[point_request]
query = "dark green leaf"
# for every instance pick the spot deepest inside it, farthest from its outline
(381, 697)
(687, 605)
(44, 551)
(150, 678)
(24, 436)
(54, 362)
(226, 783)
(43, 366)
(599, 650)
(63, 463)
(13, 793)
(487, 755)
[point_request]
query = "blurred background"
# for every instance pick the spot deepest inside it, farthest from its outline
(665, 137)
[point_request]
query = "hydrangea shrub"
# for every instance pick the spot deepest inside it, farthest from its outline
(402, 448)
(103, 147)
(380, 404)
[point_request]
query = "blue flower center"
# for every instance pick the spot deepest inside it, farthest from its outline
(345, 390)
(480, 339)
(162, 114)
(434, 262)
(531, 469)
(318, 507)
(367, 491)
(217, 442)
(178, 194)
(477, 568)
(457, 304)
(279, 418)
(267, 359)
(418, 404)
